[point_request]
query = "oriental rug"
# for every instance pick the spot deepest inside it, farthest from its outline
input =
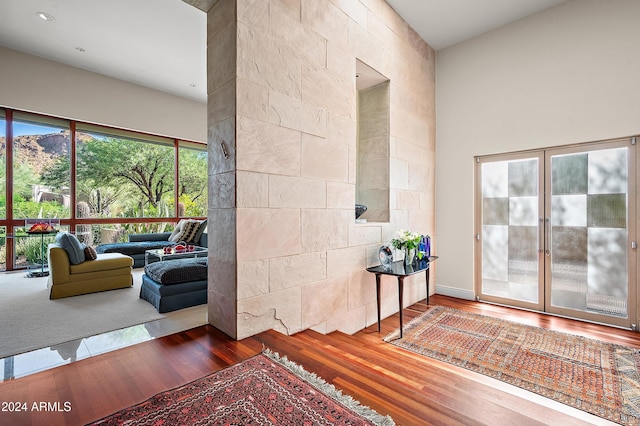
(266, 389)
(594, 376)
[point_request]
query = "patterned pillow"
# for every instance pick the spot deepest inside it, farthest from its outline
(90, 253)
(203, 227)
(176, 231)
(177, 234)
(189, 231)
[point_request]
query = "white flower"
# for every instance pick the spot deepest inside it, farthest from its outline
(405, 238)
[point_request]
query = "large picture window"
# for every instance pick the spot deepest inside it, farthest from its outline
(121, 175)
(39, 144)
(192, 195)
(99, 182)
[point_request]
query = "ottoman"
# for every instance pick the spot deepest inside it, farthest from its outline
(175, 284)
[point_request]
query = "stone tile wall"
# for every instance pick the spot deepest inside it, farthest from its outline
(221, 87)
(286, 252)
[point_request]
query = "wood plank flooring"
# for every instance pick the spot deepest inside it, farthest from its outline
(413, 389)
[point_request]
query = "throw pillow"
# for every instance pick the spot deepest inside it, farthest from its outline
(90, 253)
(176, 231)
(72, 246)
(189, 230)
(203, 227)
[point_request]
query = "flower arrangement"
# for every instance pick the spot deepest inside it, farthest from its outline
(406, 240)
(41, 227)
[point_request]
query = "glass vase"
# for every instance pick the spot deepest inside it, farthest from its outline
(409, 254)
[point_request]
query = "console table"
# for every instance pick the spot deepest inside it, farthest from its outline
(400, 270)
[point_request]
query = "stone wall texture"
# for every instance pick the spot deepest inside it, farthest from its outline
(221, 108)
(285, 251)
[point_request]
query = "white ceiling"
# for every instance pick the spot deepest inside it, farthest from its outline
(161, 44)
(443, 23)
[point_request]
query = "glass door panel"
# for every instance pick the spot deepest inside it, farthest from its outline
(3, 166)
(510, 231)
(588, 257)
(555, 229)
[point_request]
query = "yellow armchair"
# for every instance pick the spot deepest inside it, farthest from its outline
(109, 271)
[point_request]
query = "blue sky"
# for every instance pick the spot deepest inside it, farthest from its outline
(23, 129)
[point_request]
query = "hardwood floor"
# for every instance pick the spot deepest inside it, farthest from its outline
(413, 389)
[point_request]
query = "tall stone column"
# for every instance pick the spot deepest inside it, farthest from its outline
(221, 89)
(285, 252)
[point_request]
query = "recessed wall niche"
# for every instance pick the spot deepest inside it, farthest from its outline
(372, 146)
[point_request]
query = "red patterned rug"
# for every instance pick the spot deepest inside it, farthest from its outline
(266, 389)
(597, 377)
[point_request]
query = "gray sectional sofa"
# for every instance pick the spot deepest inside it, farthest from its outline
(139, 243)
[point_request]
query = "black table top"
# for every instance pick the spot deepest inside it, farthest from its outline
(55, 231)
(400, 269)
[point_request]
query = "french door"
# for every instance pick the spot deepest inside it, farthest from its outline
(556, 231)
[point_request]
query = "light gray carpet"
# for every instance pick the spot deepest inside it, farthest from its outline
(29, 320)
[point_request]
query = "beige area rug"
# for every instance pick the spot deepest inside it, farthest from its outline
(29, 320)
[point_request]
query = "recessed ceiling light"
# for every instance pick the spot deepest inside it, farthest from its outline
(45, 16)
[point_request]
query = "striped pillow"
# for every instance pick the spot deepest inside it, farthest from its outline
(189, 231)
(90, 253)
(176, 231)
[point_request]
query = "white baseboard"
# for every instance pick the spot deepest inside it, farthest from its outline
(455, 292)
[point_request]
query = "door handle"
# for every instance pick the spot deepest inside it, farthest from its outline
(540, 235)
(547, 240)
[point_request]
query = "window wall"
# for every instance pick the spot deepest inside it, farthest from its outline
(99, 182)
(120, 174)
(38, 144)
(192, 193)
